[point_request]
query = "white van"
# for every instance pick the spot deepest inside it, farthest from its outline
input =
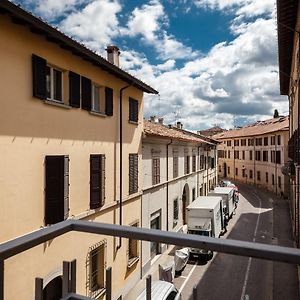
(161, 290)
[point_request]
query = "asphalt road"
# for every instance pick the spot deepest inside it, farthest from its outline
(260, 217)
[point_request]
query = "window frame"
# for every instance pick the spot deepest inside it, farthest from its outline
(53, 68)
(133, 257)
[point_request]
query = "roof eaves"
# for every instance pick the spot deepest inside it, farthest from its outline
(38, 26)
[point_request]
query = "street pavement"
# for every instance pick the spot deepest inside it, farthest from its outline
(260, 217)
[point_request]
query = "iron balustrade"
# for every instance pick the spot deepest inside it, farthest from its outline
(242, 248)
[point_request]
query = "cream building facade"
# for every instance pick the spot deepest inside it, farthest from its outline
(288, 27)
(70, 147)
(255, 154)
(178, 166)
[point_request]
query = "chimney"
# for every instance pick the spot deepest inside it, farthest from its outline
(161, 121)
(113, 54)
(179, 125)
(152, 119)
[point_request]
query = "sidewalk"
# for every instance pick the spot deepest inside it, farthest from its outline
(164, 259)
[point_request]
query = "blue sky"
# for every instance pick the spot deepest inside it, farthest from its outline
(214, 62)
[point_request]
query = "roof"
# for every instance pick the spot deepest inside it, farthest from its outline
(38, 26)
(257, 128)
(209, 202)
(159, 130)
(286, 23)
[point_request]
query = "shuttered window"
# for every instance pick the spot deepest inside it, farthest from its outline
(39, 76)
(133, 110)
(194, 163)
(97, 180)
(109, 101)
(155, 170)
(133, 173)
(86, 93)
(186, 164)
(57, 189)
(175, 166)
(74, 89)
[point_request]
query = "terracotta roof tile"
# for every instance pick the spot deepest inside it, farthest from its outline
(257, 128)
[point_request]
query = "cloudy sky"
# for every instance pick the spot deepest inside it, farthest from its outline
(214, 62)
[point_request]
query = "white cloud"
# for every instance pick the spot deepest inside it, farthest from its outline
(96, 24)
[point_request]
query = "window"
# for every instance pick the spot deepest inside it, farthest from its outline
(250, 155)
(57, 189)
(96, 269)
(201, 162)
(228, 143)
(258, 175)
(133, 110)
(155, 170)
(278, 140)
(267, 177)
(228, 170)
(194, 163)
(243, 172)
(272, 140)
(257, 155)
(250, 142)
(193, 194)
(266, 141)
(273, 179)
(272, 156)
(133, 254)
(228, 152)
(54, 86)
(236, 171)
(278, 157)
(236, 154)
(97, 180)
(250, 174)
(175, 212)
(186, 164)
(100, 103)
(243, 142)
(175, 166)
(265, 155)
(133, 173)
(212, 162)
(279, 182)
(243, 154)
(236, 142)
(258, 141)
(220, 168)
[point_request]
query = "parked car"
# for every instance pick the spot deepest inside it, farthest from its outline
(161, 290)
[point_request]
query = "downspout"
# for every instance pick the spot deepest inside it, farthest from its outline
(276, 179)
(167, 191)
(121, 159)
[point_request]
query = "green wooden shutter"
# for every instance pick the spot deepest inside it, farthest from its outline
(39, 77)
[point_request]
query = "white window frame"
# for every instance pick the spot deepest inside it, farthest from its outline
(52, 68)
(101, 109)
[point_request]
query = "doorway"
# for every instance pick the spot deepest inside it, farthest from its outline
(53, 290)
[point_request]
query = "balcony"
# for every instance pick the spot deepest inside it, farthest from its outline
(242, 248)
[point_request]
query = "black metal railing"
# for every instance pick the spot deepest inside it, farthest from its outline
(242, 248)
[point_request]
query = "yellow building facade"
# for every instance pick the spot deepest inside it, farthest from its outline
(255, 154)
(65, 152)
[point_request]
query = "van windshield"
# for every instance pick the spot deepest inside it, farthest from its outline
(199, 232)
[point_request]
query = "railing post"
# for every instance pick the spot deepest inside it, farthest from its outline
(38, 289)
(73, 277)
(148, 287)
(1, 279)
(65, 281)
(195, 292)
(108, 283)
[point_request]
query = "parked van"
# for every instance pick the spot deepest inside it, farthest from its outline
(161, 290)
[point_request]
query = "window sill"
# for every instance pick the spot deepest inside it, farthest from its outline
(133, 122)
(57, 103)
(97, 113)
(132, 262)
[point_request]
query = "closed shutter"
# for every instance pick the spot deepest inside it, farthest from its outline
(57, 189)
(109, 101)
(39, 76)
(86, 90)
(133, 173)
(74, 89)
(133, 110)
(102, 178)
(95, 174)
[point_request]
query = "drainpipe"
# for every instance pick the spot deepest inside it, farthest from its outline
(167, 212)
(121, 159)
(275, 164)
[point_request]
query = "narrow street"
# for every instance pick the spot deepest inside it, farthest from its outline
(262, 218)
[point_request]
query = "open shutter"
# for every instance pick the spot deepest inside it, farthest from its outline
(86, 90)
(39, 76)
(74, 89)
(109, 101)
(95, 181)
(102, 180)
(66, 187)
(55, 192)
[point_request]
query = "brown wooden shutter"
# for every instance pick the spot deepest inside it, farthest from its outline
(74, 89)
(109, 101)
(56, 190)
(133, 173)
(39, 76)
(136, 173)
(86, 93)
(102, 178)
(95, 174)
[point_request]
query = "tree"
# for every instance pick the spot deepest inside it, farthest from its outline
(276, 114)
